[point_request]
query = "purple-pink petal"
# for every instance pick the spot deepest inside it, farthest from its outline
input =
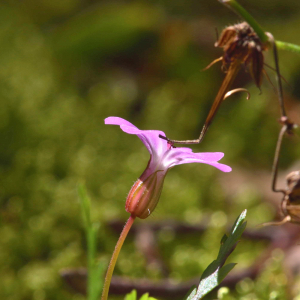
(118, 121)
(179, 156)
(150, 138)
(217, 165)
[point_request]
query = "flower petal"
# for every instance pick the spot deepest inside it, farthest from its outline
(155, 145)
(179, 156)
(117, 121)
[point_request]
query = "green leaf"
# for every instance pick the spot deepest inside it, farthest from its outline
(225, 270)
(98, 278)
(145, 297)
(85, 205)
(95, 270)
(131, 296)
(216, 272)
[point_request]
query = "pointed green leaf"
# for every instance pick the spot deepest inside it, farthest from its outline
(131, 296)
(85, 205)
(224, 238)
(225, 270)
(216, 272)
(145, 297)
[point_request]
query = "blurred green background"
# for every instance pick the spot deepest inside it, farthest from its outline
(67, 65)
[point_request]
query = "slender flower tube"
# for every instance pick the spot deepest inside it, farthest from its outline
(144, 195)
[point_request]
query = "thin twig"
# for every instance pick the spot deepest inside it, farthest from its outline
(278, 76)
(276, 159)
(287, 127)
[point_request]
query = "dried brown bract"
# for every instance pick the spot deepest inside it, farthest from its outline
(241, 43)
(290, 204)
(291, 201)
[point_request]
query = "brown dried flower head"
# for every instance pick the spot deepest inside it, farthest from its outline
(241, 43)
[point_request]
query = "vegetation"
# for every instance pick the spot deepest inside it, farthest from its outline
(67, 65)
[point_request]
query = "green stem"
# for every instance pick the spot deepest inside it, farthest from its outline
(91, 233)
(238, 9)
(115, 257)
(288, 46)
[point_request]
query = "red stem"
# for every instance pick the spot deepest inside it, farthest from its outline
(115, 255)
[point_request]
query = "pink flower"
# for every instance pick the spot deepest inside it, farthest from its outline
(144, 195)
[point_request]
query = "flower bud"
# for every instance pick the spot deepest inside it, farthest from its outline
(144, 195)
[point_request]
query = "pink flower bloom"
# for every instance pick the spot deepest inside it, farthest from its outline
(144, 195)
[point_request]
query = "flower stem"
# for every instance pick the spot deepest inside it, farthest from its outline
(238, 9)
(115, 257)
(288, 46)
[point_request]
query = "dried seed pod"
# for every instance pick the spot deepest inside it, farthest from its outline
(241, 46)
(240, 42)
